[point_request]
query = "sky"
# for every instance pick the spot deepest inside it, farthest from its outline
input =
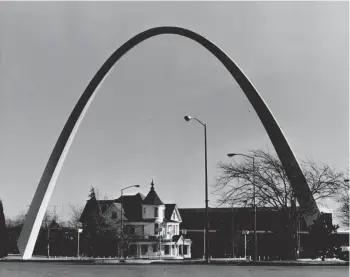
(295, 53)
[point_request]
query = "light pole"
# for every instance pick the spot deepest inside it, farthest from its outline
(160, 242)
(188, 118)
(121, 215)
(48, 240)
(183, 243)
(230, 155)
(245, 233)
(79, 230)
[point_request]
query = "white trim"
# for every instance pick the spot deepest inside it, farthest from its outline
(176, 210)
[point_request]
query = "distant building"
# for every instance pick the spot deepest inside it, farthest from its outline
(231, 232)
(153, 227)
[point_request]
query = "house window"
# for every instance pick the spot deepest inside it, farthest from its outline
(144, 249)
(144, 211)
(170, 229)
(155, 247)
(155, 212)
(114, 214)
(166, 250)
(130, 230)
(156, 229)
(185, 249)
(142, 230)
(133, 250)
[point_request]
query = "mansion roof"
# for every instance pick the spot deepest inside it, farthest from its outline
(152, 197)
(169, 209)
(132, 206)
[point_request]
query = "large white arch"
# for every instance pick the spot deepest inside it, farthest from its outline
(30, 230)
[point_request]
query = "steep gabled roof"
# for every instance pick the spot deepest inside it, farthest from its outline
(92, 207)
(105, 205)
(169, 209)
(132, 206)
(152, 197)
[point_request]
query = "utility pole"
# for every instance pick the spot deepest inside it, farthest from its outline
(255, 235)
(48, 239)
(206, 197)
(121, 217)
(160, 241)
(206, 243)
(230, 155)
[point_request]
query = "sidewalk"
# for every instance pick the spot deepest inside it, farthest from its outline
(308, 262)
(222, 261)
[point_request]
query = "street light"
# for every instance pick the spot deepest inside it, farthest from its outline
(121, 212)
(184, 232)
(230, 155)
(245, 233)
(188, 118)
(79, 230)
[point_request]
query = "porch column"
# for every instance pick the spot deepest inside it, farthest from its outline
(138, 250)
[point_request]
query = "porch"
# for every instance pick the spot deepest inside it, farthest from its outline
(167, 250)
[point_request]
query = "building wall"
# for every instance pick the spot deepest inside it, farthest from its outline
(174, 216)
(150, 229)
(167, 232)
(113, 214)
(171, 229)
(148, 212)
(168, 249)
(230, 222)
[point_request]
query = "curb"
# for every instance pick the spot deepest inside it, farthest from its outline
(181, 262)
(240, 263)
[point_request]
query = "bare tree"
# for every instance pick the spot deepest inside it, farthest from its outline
(343, 210)
(19, 219)
(76, 212)
(102, 225)
(273, 189)
(49, 218)
(236, 183)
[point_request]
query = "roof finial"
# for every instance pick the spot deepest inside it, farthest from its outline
(152, 185)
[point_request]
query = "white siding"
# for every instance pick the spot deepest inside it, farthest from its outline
(148, 212)
(113, 209)
(171, 230)
(175, 214)
(149, 229)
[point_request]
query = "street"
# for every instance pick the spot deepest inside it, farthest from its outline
(31, 269)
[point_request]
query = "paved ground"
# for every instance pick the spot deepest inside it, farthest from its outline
(29, 269)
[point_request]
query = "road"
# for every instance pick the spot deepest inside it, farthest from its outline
(32, 269)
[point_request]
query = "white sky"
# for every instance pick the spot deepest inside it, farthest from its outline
(296, 55)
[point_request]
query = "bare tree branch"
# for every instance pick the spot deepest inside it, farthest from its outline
(273, 189)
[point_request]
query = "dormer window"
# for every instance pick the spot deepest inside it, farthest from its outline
(156, 212)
